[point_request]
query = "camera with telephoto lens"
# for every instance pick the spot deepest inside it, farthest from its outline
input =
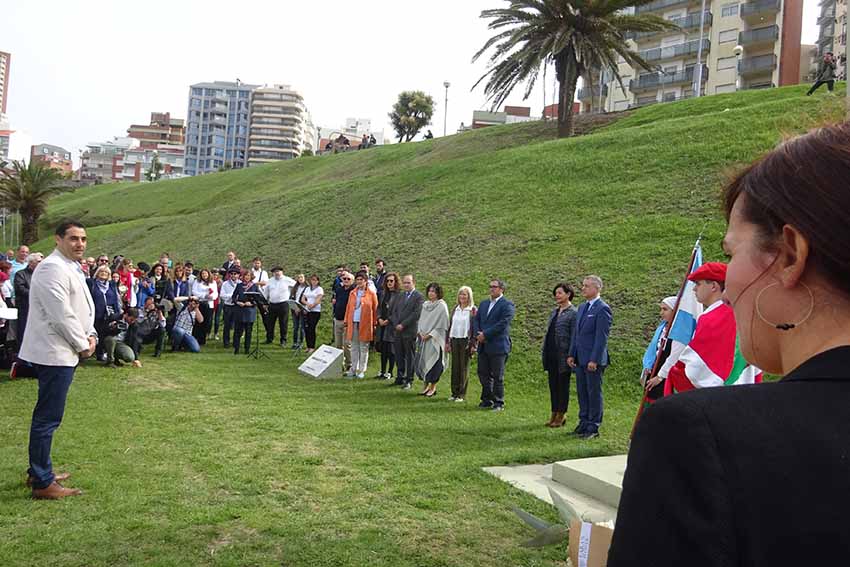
(122, 325)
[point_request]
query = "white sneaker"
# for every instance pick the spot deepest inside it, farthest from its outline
(361, 375)
(458, 399)
(349, 374)
(451, 398)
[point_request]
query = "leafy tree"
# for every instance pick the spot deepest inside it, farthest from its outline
(27, 189)
(307, 153)
(155, 171)
(576, 36)
(411, 113)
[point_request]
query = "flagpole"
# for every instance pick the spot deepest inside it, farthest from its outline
(662, 344)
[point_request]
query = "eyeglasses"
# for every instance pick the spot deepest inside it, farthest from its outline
(346, 279)
(495, 287)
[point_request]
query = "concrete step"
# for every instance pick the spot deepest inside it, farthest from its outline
(600, 478)
(537, 479)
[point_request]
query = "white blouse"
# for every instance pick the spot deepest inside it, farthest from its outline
(205, 292)
(313, 294)
(460, 323)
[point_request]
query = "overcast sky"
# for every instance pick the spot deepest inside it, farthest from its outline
(84, 71)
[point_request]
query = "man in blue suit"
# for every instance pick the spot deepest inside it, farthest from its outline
(589, 356)
(493, 329)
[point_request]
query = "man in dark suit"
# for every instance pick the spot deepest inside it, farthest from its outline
(405, 318)
(229, 264)
(493, 330)
(589, 356)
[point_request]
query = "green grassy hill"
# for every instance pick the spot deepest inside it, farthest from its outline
(215, 459)
(626, 202)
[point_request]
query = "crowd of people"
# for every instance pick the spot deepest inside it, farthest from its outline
(714, 472)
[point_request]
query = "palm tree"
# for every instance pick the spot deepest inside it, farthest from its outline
(26, 189)
(578, 36)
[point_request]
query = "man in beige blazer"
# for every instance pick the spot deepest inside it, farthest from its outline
(60, 332)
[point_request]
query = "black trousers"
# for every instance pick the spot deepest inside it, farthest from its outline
(229, 315)
(405, 349)
(242, 327)
(830, 85)
(200, 331)
(387, 356)
(559, 389)
(310, 324)
(278, 314)
(491, 374)
(156, 336)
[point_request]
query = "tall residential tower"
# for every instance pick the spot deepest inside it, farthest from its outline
(5, 63)
(280, 125)
(767, 31)
(217, 126)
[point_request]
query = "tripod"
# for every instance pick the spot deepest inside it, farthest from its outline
(262, 304)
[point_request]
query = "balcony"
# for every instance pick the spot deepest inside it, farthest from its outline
(827, 16)
(641, 103)
(827, 34)
(685, 23)
(753, 12)
(654, 81)
(757, 65)
(673, 51)
(760, 36)
(585, 93)
(659, 5)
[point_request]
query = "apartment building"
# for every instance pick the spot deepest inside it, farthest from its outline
(767, 32)
(5, 64)
(809, 60)
(54, 157)
(103, 162)
(510, 115)
(280, 126)
(217, 126)
(832, 35)
(162, 129)
(137, 162)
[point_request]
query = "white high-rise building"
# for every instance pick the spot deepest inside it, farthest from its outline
(280, 126)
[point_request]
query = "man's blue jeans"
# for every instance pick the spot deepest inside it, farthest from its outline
(589, 390)
(53, 385)
(179, 338)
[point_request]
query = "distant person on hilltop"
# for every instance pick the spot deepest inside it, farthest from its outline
(428, 135)
(826, 74)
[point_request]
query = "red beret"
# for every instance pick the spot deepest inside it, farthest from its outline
(711, 271)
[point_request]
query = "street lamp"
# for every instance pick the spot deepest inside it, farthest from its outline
(446, 107)
(738, 51)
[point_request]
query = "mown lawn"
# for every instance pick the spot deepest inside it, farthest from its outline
(222, 460)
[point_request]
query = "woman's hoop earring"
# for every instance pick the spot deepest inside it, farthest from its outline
(785, 326)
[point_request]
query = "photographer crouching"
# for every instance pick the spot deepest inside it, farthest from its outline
(181, 334)
(121, 337)
(151, 327)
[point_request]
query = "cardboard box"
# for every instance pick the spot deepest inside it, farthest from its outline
(589, 544)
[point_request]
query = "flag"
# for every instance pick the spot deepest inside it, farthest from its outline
(713, 358)
(690, 309)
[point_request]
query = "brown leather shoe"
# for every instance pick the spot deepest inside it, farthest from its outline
(54, 492)
(59, 477)
(558, 420)
(551, 419)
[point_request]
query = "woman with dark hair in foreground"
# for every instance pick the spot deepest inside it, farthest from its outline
(757, 475)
